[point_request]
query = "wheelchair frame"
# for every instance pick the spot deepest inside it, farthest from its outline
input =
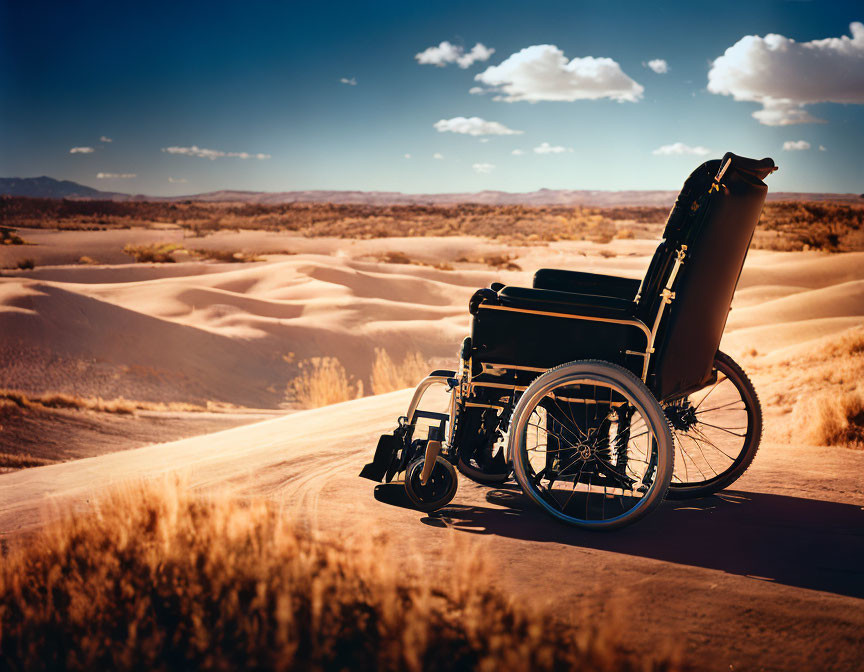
(432, 462)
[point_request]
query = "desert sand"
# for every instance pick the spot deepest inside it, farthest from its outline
(766, 576)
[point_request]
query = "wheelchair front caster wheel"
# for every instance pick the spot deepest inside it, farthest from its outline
(440, 488)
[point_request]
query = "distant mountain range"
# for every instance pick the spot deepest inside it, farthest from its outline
(47, 187)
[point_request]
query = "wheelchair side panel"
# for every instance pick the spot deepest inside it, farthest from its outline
(543, 341)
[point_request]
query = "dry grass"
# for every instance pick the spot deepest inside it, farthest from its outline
(87, 261)
(835, 416)
(503, 262)
(399, 257)
(159, 253)
(158, 579)
(22, 461)
(794, 225)
(834, 419)
(389, 375)
(225, 256)
(57, 400)
(7, 238)
(322, 381)
(802, 225)
(820, 388)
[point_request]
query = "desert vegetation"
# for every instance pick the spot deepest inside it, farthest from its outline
(321, 381)
(56, 400)
(163, 253)
(159, 579)
(158, 253)
(10, 237)
(817, 389)
(794, 225)
(833, 413)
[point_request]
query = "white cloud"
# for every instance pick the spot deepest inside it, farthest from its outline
(476, 90)
(784, 113)
(407, 156)
(680, 149)
(81, 150)
(105, 139)
(796, 145)
(115, 176)
(473, 126)
(517, 152)
(784, 75)
(177, 180)
(542, 72)
(438, 155)
(658, 65)
(483, 168)
(822, 148)
(212, 154)
(446, 53)
(546, 148)
(350, 81)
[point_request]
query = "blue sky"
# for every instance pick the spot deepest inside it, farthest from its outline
(263, 78)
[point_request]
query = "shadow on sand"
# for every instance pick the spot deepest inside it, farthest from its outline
(798, 542)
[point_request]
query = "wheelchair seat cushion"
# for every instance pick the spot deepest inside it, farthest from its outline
(586, 283)
(553, 301)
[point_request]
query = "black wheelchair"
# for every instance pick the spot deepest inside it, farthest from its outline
(602, 395)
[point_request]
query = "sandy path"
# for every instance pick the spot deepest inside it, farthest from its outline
(769, 576)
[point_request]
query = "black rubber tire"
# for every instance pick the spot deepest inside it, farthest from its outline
(439, 489)
(600, 371)
(469, 425)
(730, 368)
(482, 477)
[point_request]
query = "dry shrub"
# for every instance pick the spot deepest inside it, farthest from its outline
(388, 375)
(395, 257)
(27, 264)
(158, 579)
(225, 256)
(7, 238)
(87, 261)
(159, 253)
(795, 225)
(322, 381)
(58, 400)
(834, 419)
(502, 262)
(624, 234)
(821, 386)
(22, 461)
(399, 257)
(803, 225)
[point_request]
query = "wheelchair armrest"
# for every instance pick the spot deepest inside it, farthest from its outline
(553, 301)
(586, 283)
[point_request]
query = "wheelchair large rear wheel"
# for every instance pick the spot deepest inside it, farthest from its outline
(717, 431)
(591, 446)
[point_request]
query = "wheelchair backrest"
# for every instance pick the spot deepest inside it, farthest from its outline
(716, 223)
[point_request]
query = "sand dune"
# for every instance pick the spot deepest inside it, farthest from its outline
(227, 332)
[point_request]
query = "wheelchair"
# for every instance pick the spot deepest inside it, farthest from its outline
(601, 395)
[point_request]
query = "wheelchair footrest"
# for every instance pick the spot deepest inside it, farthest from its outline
(385, 453)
